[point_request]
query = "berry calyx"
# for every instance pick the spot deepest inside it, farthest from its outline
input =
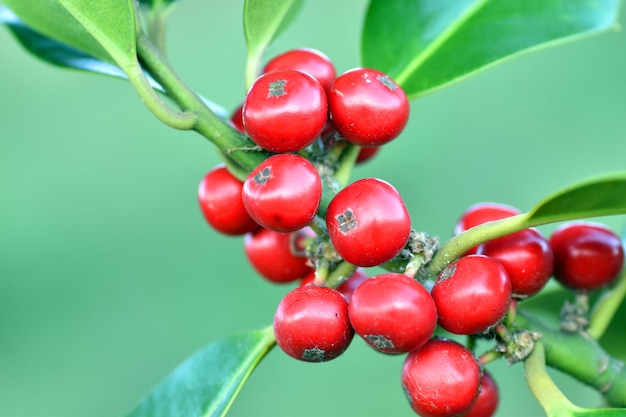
(219, 197)
(472, 294)
(368, 223)
(441, 379)
(367, 107)
(311, 324)
(393, 313)
(285, 111)
(283, 193)
(587, 255)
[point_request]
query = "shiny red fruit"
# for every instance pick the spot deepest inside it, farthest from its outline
(311, 324)
(367, 107)
(308, 60)
(283, 193)
(587, 255)
(273, 256)
(236, 119)
(219, 197)
(368, 223)
(472, 294)
(285, 111)
(365, 154)
(488, 398)
(480, 213)
(441, 379)
(526, 256)
(393, 313)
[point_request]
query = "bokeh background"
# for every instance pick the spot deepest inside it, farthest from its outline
(109, 276)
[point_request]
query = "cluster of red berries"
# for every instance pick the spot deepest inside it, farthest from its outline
(299, 103)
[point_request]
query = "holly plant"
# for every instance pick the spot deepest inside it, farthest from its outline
(355, 263)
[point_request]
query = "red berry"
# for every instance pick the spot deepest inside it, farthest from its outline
(283, 193)
(365, 154)
(488, 398)
(367, 107)
(472, 294)
(311, 324)
(272, 255)
(367, 222)
(526, 256)
(587, 255)
(311, 61)
(219, 196)
(441, 379)
(393, 313)
(285, 111)
(480, 213)
(236, 119)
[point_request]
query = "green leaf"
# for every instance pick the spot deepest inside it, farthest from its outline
(263, 21)
(207, 383)
(156, 4)
(601, 196)
(425, 45)
(600, 412)
(54, 52)
(111, 23)
(51, 19)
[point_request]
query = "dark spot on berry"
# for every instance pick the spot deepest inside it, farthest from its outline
(379, 341)
(277, 88)
(263, 176)
(387, 82)
(346, 220)
(314, 355)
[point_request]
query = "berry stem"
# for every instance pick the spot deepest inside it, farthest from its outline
(581, 357)
(605, 308)
(346, 163)
(489, 356)
(340, 274)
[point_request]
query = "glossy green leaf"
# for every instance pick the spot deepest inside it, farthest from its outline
(601, 196)
(207, 383)
(111, 23)
(263, 21)
(600, 412)
(156, 4)
(55, 52)
(427, 44)
(51, 19)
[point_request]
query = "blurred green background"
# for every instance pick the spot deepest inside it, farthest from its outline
(109, 276)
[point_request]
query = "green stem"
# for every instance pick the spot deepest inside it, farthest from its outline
(340, 274)
(581, 357)
(163, 112)
(548, 395)
(605, 308)
(461, 243)
(232, 143)
(346, 164)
